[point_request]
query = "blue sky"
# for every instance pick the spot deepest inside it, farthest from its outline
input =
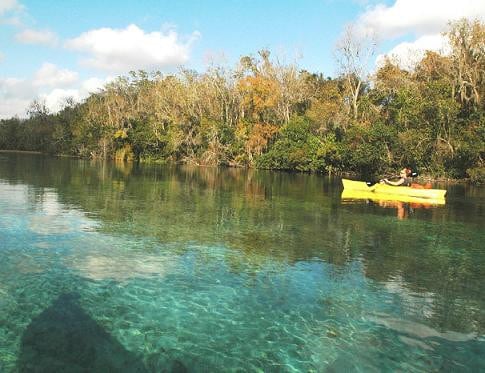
(51, 49)
(306, 28)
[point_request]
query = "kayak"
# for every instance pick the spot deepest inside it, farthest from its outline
(391, 190)
(352, 195)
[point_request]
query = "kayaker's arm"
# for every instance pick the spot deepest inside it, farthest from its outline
(395, 183)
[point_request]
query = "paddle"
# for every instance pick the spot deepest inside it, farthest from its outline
(372, 183)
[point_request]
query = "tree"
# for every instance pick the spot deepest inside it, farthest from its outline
(353, 52)
(325, 97)
(467, 41)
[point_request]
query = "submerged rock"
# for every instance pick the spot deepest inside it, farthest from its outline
(332, 333)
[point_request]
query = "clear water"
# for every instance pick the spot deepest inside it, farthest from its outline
(112, 267)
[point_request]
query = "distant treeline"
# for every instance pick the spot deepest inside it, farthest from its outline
(267, 114)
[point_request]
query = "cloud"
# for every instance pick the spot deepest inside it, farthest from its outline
(121, 50)
(418, 17)
(408, 54)
(93, 85)
(13, 107)
(9, 5)
(51, 84)
(56, 98)
(419, 21)
(9, 13)
(11, 21)
(15, 88)
(15, 96)
(50, 75)
(43, 37)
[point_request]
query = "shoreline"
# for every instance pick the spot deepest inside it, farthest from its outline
(343, 174)
(21, 151)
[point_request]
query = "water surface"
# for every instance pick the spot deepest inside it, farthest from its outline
(158, 268)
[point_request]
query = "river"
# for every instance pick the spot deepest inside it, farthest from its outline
(156, 268)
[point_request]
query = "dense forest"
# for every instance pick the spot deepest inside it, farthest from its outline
(267, 114)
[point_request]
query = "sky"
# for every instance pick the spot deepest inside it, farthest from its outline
(51, 50)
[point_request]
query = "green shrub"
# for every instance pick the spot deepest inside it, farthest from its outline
(476, 174)
(296, 148)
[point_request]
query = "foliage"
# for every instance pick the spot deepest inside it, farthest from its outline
(477, 174)
(296, 148)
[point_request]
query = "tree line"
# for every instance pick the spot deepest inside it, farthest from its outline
(266, 114)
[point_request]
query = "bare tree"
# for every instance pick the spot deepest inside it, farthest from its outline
(353, 53)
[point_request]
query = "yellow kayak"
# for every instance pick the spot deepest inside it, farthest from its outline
(352, 195)
(396, 192)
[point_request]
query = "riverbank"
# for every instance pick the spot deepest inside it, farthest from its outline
(20, 151)
(344, 174)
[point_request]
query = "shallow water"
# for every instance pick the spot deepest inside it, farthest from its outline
(150, 268)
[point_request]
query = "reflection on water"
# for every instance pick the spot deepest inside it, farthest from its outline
(403, 209)
(118, 264)
(421, 331)
(213, 270)
(404, 205)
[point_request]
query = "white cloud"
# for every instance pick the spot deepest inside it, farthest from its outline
(50, 75)
(13, 107)
(9, 10)
(408, 54)
(43, 37)
(121, 50)
(11, 21)
(15, 96)
(93, 85)
(418, 17)
(423, 20)
(56, 98)
(51, 84)
(9, 5)
(15, 88)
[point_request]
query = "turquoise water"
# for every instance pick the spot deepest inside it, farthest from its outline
(142, 268)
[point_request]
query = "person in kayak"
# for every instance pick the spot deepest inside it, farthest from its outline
(405, 178)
